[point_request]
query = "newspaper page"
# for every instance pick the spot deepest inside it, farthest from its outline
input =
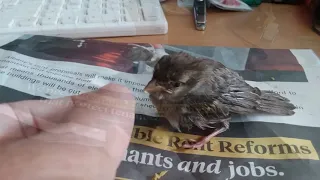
(255, 147)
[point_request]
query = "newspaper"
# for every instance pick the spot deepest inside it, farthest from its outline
(255, 147)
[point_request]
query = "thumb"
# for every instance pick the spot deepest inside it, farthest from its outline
(116, 120)
(119, 120)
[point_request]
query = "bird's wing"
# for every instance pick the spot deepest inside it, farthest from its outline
(241, 98)
(238, 96)
(202, 111)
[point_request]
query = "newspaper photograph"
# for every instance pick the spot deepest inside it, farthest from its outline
(255, 146)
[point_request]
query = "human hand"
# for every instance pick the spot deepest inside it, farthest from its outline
(77, 137)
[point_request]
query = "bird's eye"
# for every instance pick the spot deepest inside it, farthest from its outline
(177, 84)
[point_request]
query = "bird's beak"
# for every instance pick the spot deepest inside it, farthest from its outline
(152, 87)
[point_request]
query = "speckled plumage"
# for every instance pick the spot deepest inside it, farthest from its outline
(201, 92)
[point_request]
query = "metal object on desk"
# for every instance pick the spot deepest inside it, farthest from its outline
(314, 8)
(200, 13)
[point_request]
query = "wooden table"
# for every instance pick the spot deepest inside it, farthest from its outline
(268, 26)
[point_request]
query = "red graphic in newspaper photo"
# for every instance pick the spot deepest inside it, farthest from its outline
(117, 56)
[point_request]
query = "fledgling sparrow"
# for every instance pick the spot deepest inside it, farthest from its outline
(201, 92)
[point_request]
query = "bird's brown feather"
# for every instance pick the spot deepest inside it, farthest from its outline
(207, 93)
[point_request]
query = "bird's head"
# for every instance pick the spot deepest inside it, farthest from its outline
(174, 76)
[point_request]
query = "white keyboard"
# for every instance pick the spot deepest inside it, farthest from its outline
(82, 18)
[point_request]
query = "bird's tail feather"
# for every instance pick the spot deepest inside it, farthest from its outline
(273, 103)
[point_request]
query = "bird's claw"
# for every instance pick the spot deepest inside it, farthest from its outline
(193, 144)
(192, 141)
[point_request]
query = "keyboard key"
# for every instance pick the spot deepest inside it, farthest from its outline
(29, 3)
(95, 3)
(150, 13)
(92, 11)
(48, 20)
(51, 12)
(26, 22)
(7, 9)
(68, 20)
(66, 12)
(114, 10)
(73, 6)
(54, 8)
(9, 3)
(25, 13)
(109, 18)
(37, 11)
(112, 1)
(74, 1)
(114, 6)
(6, 22)
(132, 13)
(57, 3)
(93, 19)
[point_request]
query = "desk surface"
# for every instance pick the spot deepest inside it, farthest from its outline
(268, 26)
